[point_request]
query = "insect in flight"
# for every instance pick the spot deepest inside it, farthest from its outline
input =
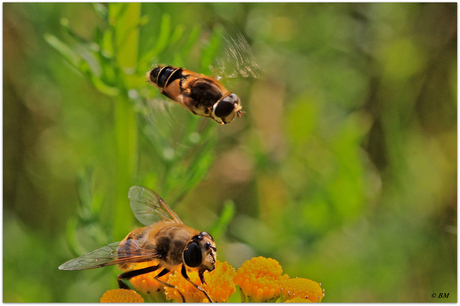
(200, 94)
(165, 239)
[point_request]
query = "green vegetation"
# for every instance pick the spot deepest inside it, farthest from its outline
(343, 167)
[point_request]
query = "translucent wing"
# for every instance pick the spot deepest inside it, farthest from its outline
(237, 59)
(109, 255)
(148, 207)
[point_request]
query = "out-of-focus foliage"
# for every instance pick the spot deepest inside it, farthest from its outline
(343, 167)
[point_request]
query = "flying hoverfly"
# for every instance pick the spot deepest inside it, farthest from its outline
(204, 95)
(165, 239)
(199, 93)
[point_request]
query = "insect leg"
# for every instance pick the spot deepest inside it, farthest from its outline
(184, 274)
(130, 274)
(164, 272)
(200, 274)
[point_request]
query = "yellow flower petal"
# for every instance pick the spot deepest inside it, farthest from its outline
(121, 296)
(260, 279)
(302, 288)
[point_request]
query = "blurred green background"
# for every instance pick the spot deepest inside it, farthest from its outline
(343, 167)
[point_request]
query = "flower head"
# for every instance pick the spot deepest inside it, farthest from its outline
(121, 296)
(219, 282)
(260, 279)
(218, 285)
(301, 288)
(191, 294)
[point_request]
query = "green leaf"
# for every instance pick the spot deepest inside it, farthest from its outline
(75, 248)
(101, 11)
(72, 57)
(192, 38)
(107, 48)
(161, 42)
(177, 34)
(88, 44)
(228, 212)
(103, 87)
(126, 18)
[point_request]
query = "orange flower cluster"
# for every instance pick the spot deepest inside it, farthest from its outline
(302, 288)
(218, 284)
(121, 296)
(260, 280)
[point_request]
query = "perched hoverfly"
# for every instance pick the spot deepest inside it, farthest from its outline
(165, 239)
(200, 94)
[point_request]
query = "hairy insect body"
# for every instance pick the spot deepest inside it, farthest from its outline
(200, 94)
(167, 239)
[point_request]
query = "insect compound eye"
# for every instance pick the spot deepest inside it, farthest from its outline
(192, 255)
(226, 106)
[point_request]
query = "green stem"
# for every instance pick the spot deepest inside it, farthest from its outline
(126, 162)
(125, 18)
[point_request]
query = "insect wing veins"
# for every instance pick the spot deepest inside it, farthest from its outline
(148, 207)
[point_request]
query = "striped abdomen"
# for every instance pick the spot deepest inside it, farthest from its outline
(163, 75)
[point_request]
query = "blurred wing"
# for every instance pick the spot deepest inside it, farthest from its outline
(237, 59)
(107, 256)
(148, 207)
